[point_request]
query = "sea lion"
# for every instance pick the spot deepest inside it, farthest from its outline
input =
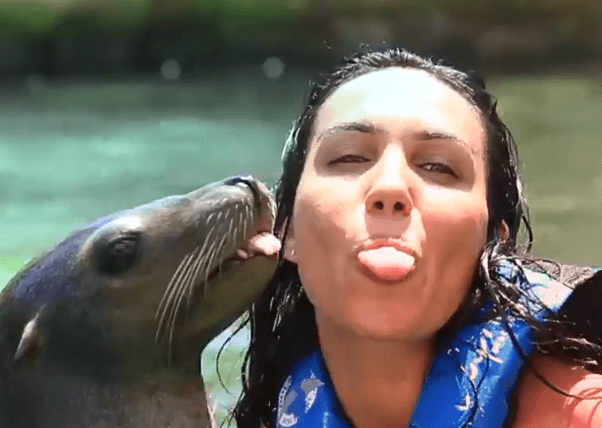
(106, 329)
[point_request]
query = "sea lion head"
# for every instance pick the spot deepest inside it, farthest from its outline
(142, 291)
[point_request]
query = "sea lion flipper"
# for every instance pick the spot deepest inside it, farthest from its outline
(31, 339)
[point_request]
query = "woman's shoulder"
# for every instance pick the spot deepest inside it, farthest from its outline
(539, 406)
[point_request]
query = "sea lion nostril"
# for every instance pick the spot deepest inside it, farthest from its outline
(249, 181)
(233, 181)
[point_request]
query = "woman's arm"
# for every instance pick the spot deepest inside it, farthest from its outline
(541, 407)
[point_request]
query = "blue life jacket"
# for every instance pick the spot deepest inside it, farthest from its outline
(470, 383)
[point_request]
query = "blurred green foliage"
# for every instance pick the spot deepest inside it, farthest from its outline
(30, 16)
(16, 18)
(35, 17)
(117, 37)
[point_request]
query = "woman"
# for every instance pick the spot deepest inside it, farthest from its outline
(399, 209)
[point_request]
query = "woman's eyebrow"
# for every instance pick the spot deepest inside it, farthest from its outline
(363, 127)
(370, 128)
(429, 135)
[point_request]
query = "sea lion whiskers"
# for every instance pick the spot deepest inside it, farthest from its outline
(189, 274)
(218, 254)
(187, 279)
(167, 296)
(184, 280)
(242, 222)
(202, 262)
(249, 214)
(200, 259)
(211, 255)
(218, 251)
(230, 236)
(175, 310)
(170, 291)
(233, 234)
(198, 263)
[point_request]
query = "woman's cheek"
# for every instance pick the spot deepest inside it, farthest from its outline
(326, 205)
(460, 230)
(458, 208)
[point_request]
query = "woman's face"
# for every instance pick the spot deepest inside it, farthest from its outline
(391, 213)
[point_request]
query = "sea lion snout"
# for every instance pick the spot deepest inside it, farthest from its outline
(263, 199)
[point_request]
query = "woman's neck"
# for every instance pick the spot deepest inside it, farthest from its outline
(377, 381)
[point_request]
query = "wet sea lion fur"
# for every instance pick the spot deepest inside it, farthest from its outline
(106, 329)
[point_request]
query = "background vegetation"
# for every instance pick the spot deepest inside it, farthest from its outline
(102, 37)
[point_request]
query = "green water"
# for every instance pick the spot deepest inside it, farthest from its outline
(71, 152)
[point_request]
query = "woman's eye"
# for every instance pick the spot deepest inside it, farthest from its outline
(348, 159)
(439, 168)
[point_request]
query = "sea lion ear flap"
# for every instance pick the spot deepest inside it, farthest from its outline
(31, 340)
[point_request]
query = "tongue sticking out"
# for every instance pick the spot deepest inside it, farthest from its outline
(387, 263)
(263, 243)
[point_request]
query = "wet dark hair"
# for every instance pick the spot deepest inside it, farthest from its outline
(282, 322)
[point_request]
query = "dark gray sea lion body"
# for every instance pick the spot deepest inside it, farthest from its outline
(106, 329)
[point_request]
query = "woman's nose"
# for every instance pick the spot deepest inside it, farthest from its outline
(389, 193)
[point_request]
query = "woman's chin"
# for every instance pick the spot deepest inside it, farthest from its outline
(387, 325)
(384, 332)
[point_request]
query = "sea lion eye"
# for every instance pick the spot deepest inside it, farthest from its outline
(122, 248)
(118, 255)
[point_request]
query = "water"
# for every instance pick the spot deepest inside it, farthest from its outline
(71, 152)
(557, 123)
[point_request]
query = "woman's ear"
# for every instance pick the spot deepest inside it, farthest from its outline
(504, 231)
(290, 243)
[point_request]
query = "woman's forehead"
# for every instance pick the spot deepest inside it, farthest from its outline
(400, 99)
